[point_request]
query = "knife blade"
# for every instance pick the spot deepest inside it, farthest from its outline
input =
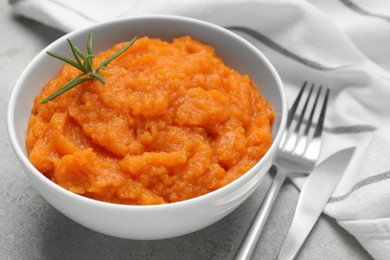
(315, 193)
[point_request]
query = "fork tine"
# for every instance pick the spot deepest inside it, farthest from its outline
(303, 138)
(314, 146)
(291, 115)
(308, 125)
(294, 138)
(294, 107)
(303, 112)
(320, 124)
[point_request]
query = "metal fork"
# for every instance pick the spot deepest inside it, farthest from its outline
(298, 153)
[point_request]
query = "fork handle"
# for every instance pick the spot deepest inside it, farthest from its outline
(250, 240)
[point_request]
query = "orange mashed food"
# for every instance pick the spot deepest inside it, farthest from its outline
(172, 123)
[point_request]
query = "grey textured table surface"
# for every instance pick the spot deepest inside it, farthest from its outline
(31, 229)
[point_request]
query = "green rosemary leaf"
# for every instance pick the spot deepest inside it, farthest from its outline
(98, 77)
(82, 55)
(116, 54)
(71, 84)
(89, 44)
(75, 54)
(89, 64)
(84, 62)
(65, 59)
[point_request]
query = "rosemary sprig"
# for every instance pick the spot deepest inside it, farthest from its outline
(84, 63)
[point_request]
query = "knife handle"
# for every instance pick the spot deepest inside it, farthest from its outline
(250, 240)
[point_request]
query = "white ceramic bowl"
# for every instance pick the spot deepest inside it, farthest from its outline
(156, 221)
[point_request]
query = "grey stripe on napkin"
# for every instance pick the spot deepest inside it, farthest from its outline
(280, 49)
(360, 184)
(354, 7)
(355, 129)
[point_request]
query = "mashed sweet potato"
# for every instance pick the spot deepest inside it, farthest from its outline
(172, 123)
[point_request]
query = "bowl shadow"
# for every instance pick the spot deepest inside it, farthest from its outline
(62, 238)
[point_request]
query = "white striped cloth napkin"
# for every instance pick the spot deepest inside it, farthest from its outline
(342, 43)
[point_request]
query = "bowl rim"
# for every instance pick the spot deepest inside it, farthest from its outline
(11, 109)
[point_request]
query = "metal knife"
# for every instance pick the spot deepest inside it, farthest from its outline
(315, 193)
